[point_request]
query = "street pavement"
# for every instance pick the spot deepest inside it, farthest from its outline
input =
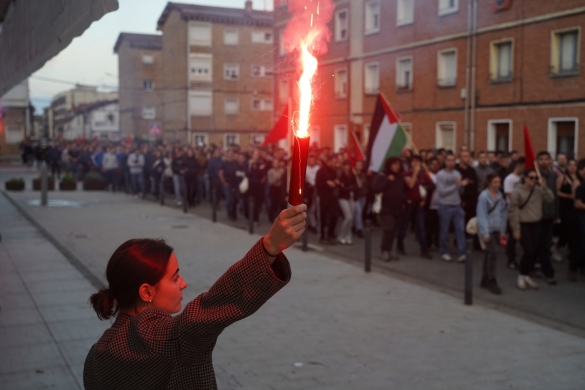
(332, 327)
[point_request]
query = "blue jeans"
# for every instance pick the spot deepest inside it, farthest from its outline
(457, 215)
(177, 186)
(137, 183)
(419, 220)
(358, 222)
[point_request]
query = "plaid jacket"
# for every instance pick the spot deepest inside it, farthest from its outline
(153, 350)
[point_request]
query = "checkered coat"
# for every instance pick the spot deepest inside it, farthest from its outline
(153, 350)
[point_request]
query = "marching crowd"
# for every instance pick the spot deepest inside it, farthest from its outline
(490, 196)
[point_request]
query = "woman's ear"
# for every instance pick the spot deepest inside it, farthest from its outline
(146, 292)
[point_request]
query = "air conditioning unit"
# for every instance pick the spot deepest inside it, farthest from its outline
(501, 5)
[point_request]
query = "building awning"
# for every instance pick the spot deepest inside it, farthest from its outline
(33, 31)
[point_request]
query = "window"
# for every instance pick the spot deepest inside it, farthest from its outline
(315, 133)
(281, 45)
(501, 61)
(341, 25)
(147, 59)
(231, 140)
(565, 52)
(404, 12)
(261, 71)
(201, 139)
(404, 73)
(499, 135)
(200, 67)
(257, 139)
(231, 105)
(372, 78)
(366, 134)
(200, 103)
(149, 112)
(339, 137)
(447, 68)
(341, 83)
(199, 34)
(230, 36)
(445, 135)
(261, 37)
(562, 136)
(262, 104)
(231, 71)
(372, 17)
(283, 91)
(14, 134)
(148, 85)
(448, 6)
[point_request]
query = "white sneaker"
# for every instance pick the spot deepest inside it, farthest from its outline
(446, 257)
(342, 241)
(530, 283)
(461, 259)
(521, 282)
(556, 255)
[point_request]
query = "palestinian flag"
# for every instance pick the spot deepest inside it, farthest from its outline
(387, 138)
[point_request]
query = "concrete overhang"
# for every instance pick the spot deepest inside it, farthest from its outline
(34, 31)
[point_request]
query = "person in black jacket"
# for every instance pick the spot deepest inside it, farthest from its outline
(391, 185)
(470, 192)
(326, 190)
(191, 169)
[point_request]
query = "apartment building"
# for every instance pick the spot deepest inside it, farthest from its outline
(140, 84)
(217, 73)
(64, 104)
(459, 72)
(15, 120)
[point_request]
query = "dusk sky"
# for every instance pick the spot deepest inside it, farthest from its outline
(90, 58)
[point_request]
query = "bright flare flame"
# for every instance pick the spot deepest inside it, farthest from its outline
(309, 64)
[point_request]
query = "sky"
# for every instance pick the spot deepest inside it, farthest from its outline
(90, 58)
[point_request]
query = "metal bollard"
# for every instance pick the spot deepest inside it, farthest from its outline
(214, 203)
(468, 271)
(305, 240)
(161, 190)
(368, 246)
(318, 204)
(185, 194)
(250, 216)
(44, 184)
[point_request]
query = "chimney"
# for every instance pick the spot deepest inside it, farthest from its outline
(248, 6)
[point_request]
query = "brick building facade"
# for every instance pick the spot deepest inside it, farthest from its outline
(217, 73)
(140, 84)
(519, 59)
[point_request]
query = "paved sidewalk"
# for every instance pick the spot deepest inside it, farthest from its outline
(333, 327)
(46, 328)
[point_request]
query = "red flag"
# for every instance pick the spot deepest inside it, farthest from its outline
(349, 156)
(280, 129)
(128, 139)
(528, 150)
(358, 150)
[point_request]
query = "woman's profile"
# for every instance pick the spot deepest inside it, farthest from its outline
(146, 347)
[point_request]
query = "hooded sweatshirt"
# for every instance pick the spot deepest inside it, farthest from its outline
(532, 211)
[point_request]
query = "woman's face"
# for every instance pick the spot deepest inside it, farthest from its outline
(169, 290)
(395, 167)
(496, 183)
(572, 167)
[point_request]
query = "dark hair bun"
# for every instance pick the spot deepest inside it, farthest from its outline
(103, 304)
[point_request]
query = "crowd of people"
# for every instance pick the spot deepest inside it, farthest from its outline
(488, 196)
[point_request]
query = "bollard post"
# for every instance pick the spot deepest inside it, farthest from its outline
(368, 246)
(214, 203)
(161, 190)
(185, 194)
(44, 184)
(305, 240)
(320, 234)
(468, 271)
(250, 216)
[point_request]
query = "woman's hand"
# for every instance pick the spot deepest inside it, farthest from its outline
(286, 229)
